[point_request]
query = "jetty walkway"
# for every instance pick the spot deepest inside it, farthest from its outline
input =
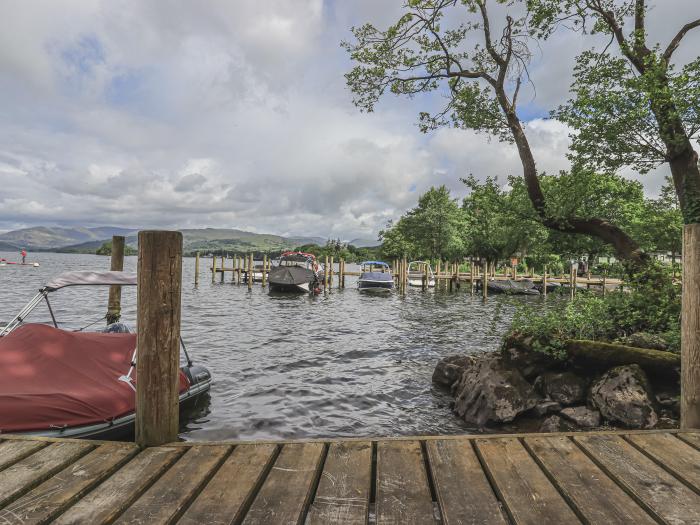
(590, 477)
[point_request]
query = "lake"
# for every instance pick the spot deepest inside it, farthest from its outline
(341, 364)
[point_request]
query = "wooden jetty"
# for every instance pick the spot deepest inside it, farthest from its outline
(589, 477)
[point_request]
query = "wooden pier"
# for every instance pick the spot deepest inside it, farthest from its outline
(613, 477)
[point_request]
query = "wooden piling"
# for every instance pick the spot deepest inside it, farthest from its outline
(114, 303)
(424, 283)
(485, 281)
(196, 269)
(264, 270)
(330, 274)
(213, 268)
(690, 329)
(471, 276)
(223, 265)
(544, 281)
(251, 267)
(158, 337)
(341, 273)
(605, 279)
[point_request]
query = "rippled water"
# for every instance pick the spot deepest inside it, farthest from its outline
(340, 364)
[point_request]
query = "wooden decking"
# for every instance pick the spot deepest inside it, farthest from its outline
(641, 477)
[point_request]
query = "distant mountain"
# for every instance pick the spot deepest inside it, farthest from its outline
(52, 237)
(365, 243)
(300, 241)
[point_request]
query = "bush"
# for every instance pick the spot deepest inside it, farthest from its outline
(651, 304)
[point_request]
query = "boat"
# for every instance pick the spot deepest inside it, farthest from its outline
(416, 273)
(375, 276)
(295, 272)
(510, 287)
(77, 384)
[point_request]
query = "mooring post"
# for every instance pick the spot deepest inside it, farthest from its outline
(485, 281)
(196, 269)
(213, 268)
(544, 280)
(605, 279)
(690, 329)
(264, 270)
(330, 274)
(158, 337)
(341, 272)
(424, 283)
(223, 265)
(471, 275)
(114, 304)
(251, 269)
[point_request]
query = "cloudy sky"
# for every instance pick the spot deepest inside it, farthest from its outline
(234, 113)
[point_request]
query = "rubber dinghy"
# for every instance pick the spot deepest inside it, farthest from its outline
(61, 383)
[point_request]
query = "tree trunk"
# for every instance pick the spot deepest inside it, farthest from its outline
(690, 329)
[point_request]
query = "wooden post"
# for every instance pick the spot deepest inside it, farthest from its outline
(605, 279)
(330, 274)
(544, 281)
(341, 273)
(196, 269)
(158, 337)
(213, 268)
(485, 280)
(251, 266)
(114, 303)
(690, 329)
(425, 277)
(471, 275)
(571, 280)
(264, 270)
(223, 265)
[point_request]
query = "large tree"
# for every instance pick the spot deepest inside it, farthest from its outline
(425, 51)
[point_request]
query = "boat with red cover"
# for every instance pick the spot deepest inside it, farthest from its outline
(63, 383)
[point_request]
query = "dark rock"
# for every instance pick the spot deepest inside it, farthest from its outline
(510, 287)
(489, 391)
(449, 369)
(556, 424)
(546, 407)
(670, 401)
(584, 417)
(645, 340)
(565, 388)
(530, 363)
(623, 395)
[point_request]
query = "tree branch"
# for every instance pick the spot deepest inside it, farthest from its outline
(487, 34)
(677, 39)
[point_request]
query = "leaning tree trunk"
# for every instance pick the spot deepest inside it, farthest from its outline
(690, 329)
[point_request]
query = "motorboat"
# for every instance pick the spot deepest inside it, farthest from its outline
(416, 273)
(295, 272)
(64, 383)
(375, 276)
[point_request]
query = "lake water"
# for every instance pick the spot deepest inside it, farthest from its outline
(341, 364)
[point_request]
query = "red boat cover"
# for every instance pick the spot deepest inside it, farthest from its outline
(54, 378)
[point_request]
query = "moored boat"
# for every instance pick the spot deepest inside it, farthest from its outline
(295, 272)
(417, 271)
(375, 276)
(64, 383)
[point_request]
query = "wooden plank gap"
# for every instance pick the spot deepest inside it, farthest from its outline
(314, 483)
(691, 438)
(428, 471)
(507, 514)
(12, 452)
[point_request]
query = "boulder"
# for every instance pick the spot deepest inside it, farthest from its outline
(449, 369)
(490, 391)
(529, 362)
(623, 395)
(565, 388)
(556, 424)
(583, 417)
(545, 408)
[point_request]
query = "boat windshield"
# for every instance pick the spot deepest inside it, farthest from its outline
(305, 260)
(374, 266)
(416, 267)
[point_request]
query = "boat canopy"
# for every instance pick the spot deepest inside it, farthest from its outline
(298, 256)
(374, 263)
(89, 278)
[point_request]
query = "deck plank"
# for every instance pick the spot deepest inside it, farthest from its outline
(115, 494)
(14, 451)
(679, 457)
(521, 485)
(43, 503)
(167, 497)
(598, 498)
(403, 495)
(287, 491)
(230, 491)
(692, 438)
(344, 490)
(29, 472)
(463, 491)
(662, 493)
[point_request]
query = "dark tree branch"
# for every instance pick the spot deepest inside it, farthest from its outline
(677, 39)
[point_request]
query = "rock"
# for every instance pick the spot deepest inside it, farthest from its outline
(489, 391)
(584, 417)
(645, 340)
(670, 401)
(555, 424)
(530, 363)
(565, 388)
(546, 407)
(449, 369)
(623, 395)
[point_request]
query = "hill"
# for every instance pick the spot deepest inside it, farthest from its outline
(45, 238)
(365, 243)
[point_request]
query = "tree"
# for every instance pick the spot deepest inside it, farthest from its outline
(418, 54)
(634, 110)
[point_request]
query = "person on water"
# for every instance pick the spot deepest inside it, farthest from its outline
(23, 253)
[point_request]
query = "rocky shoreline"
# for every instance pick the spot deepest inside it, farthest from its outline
(518, 389)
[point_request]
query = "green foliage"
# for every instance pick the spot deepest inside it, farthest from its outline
(106, 249)
(339, 250)
(652, 305)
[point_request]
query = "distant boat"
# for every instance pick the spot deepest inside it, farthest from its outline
(416, 273)
(375, 277)
(5, 262)
(295, 272)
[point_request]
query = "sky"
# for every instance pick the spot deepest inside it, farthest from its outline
(235, 114)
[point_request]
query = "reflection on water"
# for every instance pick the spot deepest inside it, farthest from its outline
(297, 366)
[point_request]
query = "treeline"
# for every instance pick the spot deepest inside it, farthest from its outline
(497, 221)
(337, 249)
